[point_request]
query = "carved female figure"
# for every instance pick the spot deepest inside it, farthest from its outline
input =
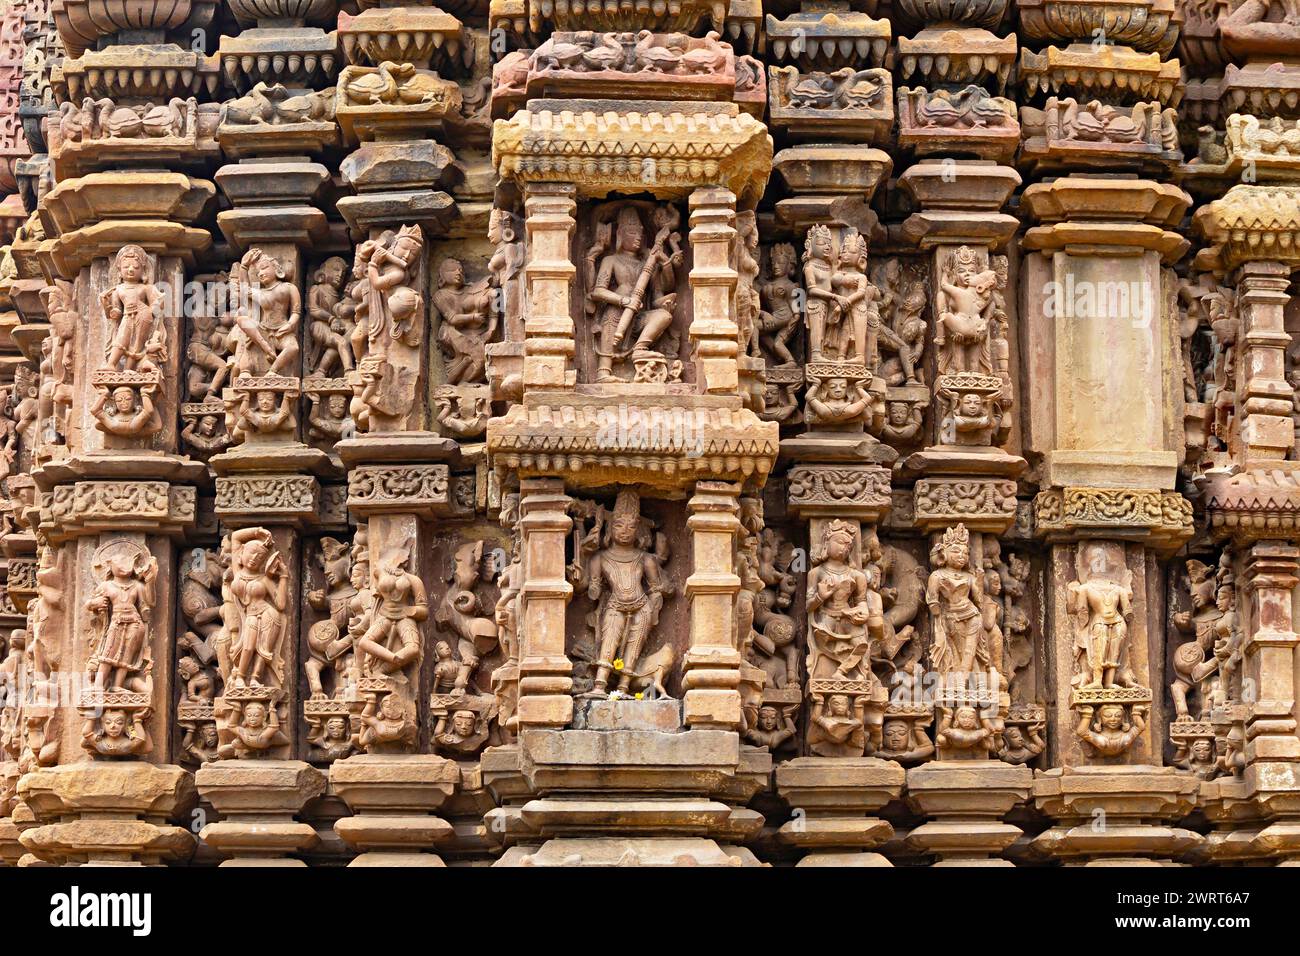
(135, 306)
(392, 306)
(844, 607)
(257, 592)
(954, 593)
(399, 604)
(862, 304)
(825, 306)
(266, 322)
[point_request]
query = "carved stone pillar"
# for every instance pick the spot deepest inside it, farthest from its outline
(711, 667)
(393, 799)
(1264, 396)
(258, 800)
(1251, 503)
(548, 275)
(1116, 816)
(544, 667)
(713, 289)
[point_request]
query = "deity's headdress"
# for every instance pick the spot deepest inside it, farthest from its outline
(628, 217)
(853, 247)
(840, 529)
(818, 233)
(627, 505)
(956, 537)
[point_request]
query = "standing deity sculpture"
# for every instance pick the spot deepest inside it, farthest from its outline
(624, 579)
(121, 605)
(119, 698)
(1112, 706)
(1102, 607)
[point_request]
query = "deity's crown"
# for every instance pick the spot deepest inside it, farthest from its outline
(853, 246)
(840, 529)
(627, 505)
(628, 218)
(410, 232)
(956, 537)
(819, 232)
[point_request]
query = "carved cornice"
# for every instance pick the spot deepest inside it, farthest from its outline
(1253, 224)
(271, 499)
(90, 507)
(1254, 505)
(665, 446)
(668, 152)
(1162, 519)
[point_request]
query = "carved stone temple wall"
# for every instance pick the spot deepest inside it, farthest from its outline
(733, 433)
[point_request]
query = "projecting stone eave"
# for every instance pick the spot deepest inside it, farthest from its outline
(666, 445)
(667, 149)
(1252, 224)
(1259, 503)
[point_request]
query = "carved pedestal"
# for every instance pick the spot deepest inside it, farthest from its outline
(1116, 816)
(258, 800)
(631, 796)
(393, 798)
(107, 814)
(832, 802)
(966, 801)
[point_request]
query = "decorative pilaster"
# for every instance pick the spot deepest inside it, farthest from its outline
(711, 667)
(544, 668)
